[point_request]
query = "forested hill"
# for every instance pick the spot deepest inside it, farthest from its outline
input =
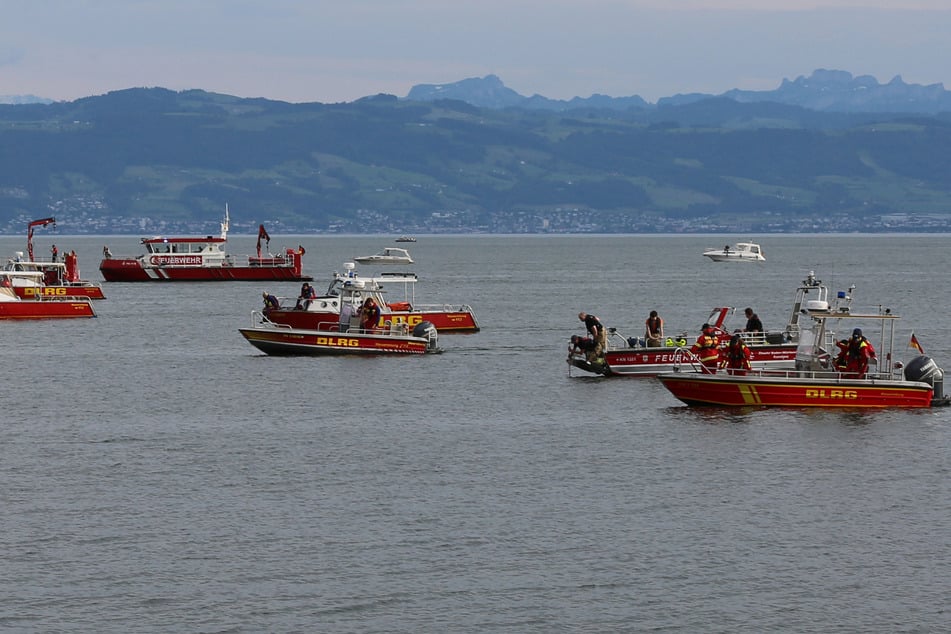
(145, 160)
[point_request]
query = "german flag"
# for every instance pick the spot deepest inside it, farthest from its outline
(914, 344)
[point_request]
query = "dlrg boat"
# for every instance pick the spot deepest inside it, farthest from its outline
(204, 259)
(40, 307)
(342, 336)
(815, 381)
(350, 289)
(31, 278)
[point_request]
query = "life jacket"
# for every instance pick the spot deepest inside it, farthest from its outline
(706, 348)
(856, 348)
(654, 324)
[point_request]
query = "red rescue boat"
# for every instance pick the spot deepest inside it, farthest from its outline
(347, 334)
(819, 380)
(203, 259)
(31, 278)
(629, 356)
(12, 307)
(348, 291)
(276, 340)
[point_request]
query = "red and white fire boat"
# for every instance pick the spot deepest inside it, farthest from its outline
(31, 278)
(818, 380)
(768, 350)
(204, 259)
(350, 289)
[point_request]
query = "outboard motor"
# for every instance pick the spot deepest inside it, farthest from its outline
(923, 368)
(426, 330)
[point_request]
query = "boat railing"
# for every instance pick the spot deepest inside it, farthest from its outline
(258, 318)
(830, 375)
(271, 260)
(447, 308)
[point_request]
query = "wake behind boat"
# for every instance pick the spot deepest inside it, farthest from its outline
(741, 252)
(819, 379)
(204, 259)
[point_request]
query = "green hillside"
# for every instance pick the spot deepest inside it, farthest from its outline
(139, 159)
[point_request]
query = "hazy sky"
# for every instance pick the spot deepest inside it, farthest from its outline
(341, 50)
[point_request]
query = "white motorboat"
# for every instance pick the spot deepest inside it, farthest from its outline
(389, 255)
(741, 252)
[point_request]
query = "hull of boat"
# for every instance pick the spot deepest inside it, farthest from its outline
(394, 261)
(89, 291)
(46, 310)
(281, 341)
(446, 322)
(653, 361)
(719, 257)
(594, 366)
(756, 391)
(131, 270)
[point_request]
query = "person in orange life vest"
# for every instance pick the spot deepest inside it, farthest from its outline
(707, 348)
(860, 350)
(736, 357)
(55, 252)
(654, 332)
(369, 315)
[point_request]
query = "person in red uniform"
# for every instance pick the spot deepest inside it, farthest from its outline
(736, 357)
(859, 352)
(369, 316)
(707, 348)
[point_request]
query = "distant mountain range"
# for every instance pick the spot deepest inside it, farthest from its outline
(823, 91)
(824, 153)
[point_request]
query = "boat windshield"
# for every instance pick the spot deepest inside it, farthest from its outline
(809, 350)
(175, 247)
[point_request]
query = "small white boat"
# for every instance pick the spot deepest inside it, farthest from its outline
(406, 239)
(389, 255)
(741, 252)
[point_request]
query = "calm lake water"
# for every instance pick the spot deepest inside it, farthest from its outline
(161, 475)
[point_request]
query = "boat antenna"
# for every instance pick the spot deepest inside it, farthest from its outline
(224, 225)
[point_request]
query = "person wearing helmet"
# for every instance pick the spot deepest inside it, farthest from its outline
(736, 356)
(706, 348)
(859, 352)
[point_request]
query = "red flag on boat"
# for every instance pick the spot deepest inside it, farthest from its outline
(914, 344)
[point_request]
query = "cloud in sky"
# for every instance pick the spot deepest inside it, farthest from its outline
(317, 50)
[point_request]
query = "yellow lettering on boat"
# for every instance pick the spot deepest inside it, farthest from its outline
(833, 393)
